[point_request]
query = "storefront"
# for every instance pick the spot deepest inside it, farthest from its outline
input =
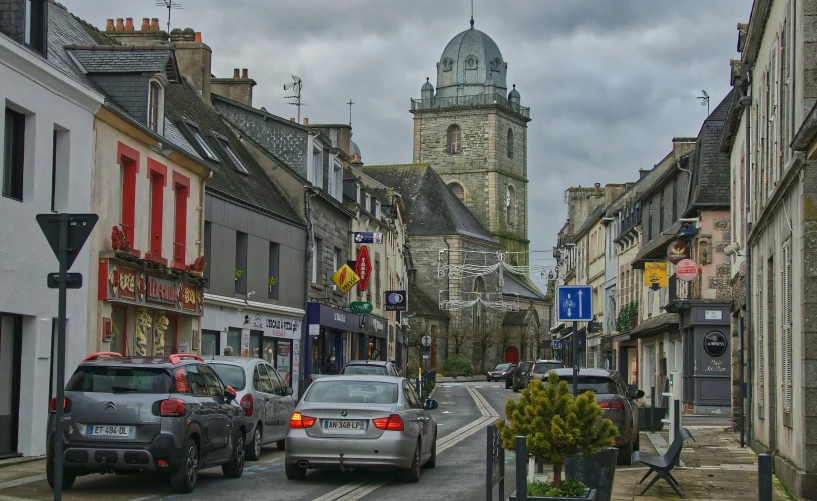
(254, 329)
(328, 328)
(375, 339)
(147, 314)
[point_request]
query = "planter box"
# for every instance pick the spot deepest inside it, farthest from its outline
(644, 418)
(591, 496)
(597, 472)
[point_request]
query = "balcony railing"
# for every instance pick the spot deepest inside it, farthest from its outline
(476, 100)
(680, 290)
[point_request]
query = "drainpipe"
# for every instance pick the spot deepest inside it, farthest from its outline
(746, 393)
(308, 252)
(689, 185)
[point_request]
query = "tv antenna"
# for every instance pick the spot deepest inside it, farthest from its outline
(705, 101)
(350, 103)
(170, 5)
(296, 85)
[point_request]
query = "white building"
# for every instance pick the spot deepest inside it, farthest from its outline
(47, 157)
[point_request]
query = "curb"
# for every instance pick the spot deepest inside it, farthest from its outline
(15, 461)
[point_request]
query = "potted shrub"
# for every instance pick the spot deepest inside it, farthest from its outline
(556, 426)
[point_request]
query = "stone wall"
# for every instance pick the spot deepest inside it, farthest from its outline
(332, 228)
(13, 19)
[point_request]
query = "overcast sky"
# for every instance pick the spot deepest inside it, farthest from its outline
(609, 82)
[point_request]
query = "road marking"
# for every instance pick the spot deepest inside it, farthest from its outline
(22, 481)
(360, 489)
(12, 498)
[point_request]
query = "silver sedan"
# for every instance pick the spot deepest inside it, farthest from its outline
(348, 422)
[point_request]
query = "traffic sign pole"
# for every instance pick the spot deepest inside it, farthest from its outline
(63, 283)
(575, 359)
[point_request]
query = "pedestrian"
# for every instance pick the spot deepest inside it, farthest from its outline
(331, 367)
(228, 351)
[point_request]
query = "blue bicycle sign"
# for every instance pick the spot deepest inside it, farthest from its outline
(575, 303)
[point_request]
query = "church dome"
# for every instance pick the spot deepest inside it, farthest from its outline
(514, 94)
(470, 61)
(428, 86)
(356, 150)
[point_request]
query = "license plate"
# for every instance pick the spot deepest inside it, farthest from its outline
(344, 425)
(107, 430)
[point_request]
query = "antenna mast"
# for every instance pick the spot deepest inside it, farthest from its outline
(350, 103)
(170, 5)
(705, 101)
(296, 85)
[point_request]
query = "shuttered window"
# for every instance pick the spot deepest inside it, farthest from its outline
(760, 337)
(787, 327)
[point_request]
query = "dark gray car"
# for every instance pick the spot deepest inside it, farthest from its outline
(263, 395)
(170, 415)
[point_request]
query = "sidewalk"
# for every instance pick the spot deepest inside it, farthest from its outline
(714, 467)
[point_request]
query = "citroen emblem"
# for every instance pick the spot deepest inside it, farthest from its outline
(343, 413)
(110, 405)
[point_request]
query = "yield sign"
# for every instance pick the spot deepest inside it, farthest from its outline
(363, 267)
(79, 228)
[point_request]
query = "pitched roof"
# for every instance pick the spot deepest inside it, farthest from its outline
(711, 172)
(124, 59)
(512, 318)
(431, 207)
(513, 284)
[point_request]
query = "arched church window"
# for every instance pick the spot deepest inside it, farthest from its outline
(510, 143)
(510, 205)
(458, 190)
(454, 139)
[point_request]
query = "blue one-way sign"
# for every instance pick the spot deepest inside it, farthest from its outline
(574, 303)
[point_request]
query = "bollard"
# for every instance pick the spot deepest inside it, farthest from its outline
(521, 470)
(764, 477)
(489, 470)
(652, 410)
(676, 409)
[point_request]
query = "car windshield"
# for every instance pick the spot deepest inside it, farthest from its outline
(231, 375)
(501, 367)
(544, 367)
(120, 380)
(597, 384)
(364, 370)
(524, 366)
(352, 392)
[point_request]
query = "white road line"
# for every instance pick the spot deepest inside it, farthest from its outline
(22, 481)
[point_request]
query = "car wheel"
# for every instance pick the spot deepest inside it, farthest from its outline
(254, 446)
(625, 454)
(282, 445)
(411, 475)
(235, 468)
(294, 472)
(184, 479)
(432, 461)
(68, 478)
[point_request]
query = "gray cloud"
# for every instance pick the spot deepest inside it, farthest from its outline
(609, 83)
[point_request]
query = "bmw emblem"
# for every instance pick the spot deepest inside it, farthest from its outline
(343, 413)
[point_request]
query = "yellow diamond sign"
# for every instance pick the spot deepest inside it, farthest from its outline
(345, 278)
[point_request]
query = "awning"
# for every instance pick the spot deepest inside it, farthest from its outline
(656, 325)
(657, 249)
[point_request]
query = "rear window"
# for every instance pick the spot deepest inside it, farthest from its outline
(120, 380)
(524, 366)
(599, 385)
(542, 368)
(352, 392)
(501, 367)
(231, 375)
(364, 370)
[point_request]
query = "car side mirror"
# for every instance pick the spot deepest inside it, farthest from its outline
(636, 394)
(230, 392)
(431, 405)
(287, 391)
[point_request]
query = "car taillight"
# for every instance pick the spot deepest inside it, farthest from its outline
(298, 420)
(391, 423)
(247, 404)
(66, 405)
(611, 405)
(172, 408)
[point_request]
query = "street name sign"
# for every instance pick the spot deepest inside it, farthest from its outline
(575, 303)
(73, 280)
(367, 237)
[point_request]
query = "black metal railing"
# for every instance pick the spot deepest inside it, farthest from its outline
(476, 100)
(680, 290)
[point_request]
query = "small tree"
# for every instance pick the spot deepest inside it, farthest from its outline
(556, 425)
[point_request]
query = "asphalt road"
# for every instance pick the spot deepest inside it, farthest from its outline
(463, 415)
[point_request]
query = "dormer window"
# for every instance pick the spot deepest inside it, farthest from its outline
(376, 209)
(235, 159)
(156, 107)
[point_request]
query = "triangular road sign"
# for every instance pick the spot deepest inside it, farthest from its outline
(79, 228)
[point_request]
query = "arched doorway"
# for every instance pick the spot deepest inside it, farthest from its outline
(511, 355)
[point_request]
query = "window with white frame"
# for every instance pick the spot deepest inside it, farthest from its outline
(156, 113)
(316, 172)
(787, 326)
(338, 194)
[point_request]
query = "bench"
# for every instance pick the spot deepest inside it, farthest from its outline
(662, 465)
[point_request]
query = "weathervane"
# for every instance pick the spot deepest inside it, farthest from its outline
(296, 85)
(472, 13)
(705, 101)
(170, 5)
(350, 103)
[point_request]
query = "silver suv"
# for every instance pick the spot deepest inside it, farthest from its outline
(170, 415)
(263, 395)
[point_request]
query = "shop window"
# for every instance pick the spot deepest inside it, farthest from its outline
(13, 156)
(256, 340)
(234, 340)
(241, 243)
(272, 280)
(128, 160)
(210, 344)
(181, 185)
(119, 333)
(157, 173)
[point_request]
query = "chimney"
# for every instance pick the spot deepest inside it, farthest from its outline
(126, 34)
(194, 57)
(235, 73)
(145, 24)
(154, 24)
(120, 24)
(238, 88)
(306, 121)
(129, 24)
(109, 25)
(245, 73)
(292, 119)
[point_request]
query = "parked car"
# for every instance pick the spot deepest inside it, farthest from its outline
(617, 401)
(520, 375)
(348, 422)
(371, 368)
(540, 369)
(499, 371)
(170, 415)
(263, 395)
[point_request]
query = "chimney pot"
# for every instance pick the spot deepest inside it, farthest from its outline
(244, 73)
(129, 24)
(154, 24)
(306, 121)
(235, 72)
(120, 24)
(197, 37)
(292, 119)
(145, 24)
(109, 25)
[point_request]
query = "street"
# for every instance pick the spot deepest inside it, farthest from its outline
(464, 412)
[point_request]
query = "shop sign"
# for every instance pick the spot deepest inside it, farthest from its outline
(686, 270)
(188, 298)
(282, 327)
(715, 344)
(345, 278)
(318, 315)
(360, 307)
(363, 268)
(677, 251)
(655, 274)
(396, 300)
(162, 291)
(366, 237)
(123, 283)
(120, 283)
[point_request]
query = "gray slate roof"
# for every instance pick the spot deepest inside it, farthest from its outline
(515, 285)
(112, 59)
(431, 207)
(469, 44)
(711, 173)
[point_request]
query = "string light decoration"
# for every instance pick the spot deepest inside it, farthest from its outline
(494, 300)
(470, 264)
